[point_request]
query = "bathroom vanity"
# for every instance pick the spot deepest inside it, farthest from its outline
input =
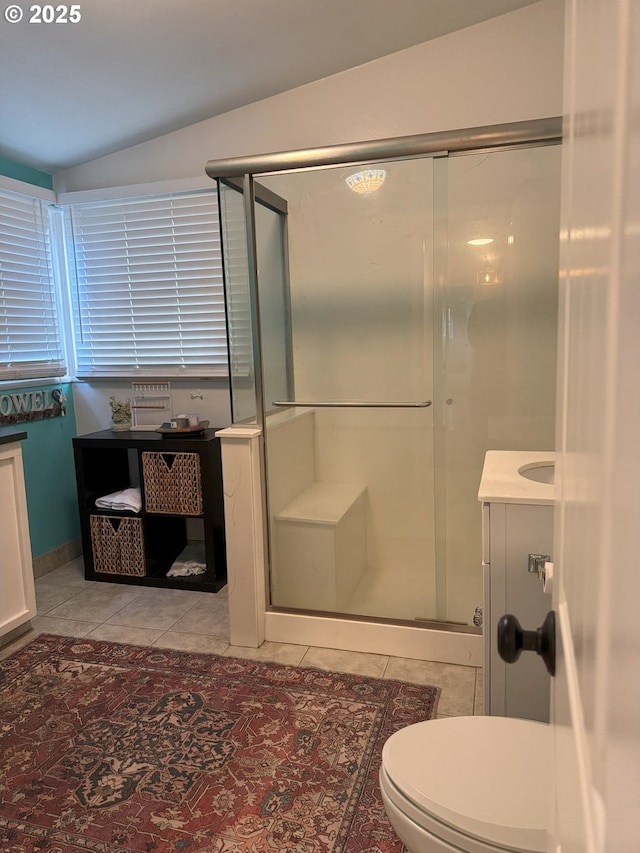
(17, 598)
(516, 492)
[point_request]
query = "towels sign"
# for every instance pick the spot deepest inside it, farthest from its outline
(23, 406)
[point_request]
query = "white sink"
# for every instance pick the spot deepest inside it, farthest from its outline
(540, 472)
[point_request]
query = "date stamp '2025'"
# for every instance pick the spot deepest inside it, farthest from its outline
(44, 14)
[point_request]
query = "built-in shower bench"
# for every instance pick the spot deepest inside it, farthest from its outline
(320, 542)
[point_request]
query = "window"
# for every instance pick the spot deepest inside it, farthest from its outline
(146, 286)
(30, 340)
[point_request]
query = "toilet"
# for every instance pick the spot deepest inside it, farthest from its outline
(473, 784)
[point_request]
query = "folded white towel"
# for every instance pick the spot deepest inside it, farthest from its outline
(127, 499)
(186, 569)
(190, 561)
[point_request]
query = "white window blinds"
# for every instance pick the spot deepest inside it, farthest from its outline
(147, 287)
(30, 344)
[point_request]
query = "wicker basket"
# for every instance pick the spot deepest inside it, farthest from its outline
(172, 483)
(117, 545)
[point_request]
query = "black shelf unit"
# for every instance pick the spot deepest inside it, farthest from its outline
(107, 462)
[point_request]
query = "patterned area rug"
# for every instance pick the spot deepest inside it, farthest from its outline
(116, 748)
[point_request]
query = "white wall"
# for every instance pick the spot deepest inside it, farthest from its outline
(506, 69)
(210, 399)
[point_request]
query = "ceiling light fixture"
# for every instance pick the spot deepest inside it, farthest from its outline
(480, 241)
(368, 181)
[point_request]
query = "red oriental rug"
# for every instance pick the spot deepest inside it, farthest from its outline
(114, 748)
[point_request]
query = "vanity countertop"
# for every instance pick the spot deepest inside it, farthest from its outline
(501, 482)
(10, 437)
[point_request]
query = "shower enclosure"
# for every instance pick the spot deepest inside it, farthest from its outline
(392, 315)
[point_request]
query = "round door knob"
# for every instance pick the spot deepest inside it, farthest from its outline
(512, 640)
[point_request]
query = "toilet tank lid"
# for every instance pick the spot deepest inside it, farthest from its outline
(488, 777)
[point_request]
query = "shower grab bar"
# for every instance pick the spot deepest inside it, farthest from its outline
(420, 404)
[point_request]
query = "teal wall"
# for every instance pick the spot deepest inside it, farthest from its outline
(11, 169)
(49, 473)
(47, 453)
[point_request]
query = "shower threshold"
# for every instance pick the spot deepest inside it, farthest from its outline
(418, 621)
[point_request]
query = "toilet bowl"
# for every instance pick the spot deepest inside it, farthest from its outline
(473, 784)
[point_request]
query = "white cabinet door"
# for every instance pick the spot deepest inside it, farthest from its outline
(520, 689)
(17, 593)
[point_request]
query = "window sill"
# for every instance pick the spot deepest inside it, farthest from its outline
(12, 384)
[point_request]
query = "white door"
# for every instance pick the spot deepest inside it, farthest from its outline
(596, 694)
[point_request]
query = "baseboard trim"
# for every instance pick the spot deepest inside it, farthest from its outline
(15, 634)
(57, 557)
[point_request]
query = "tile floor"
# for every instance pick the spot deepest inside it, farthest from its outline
(199, 622)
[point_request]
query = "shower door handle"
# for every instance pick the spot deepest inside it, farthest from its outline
(339, 404)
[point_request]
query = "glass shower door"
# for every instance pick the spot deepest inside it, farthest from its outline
(349, 448)
(498, 221)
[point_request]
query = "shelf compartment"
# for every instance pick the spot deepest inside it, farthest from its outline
(165, 539)
(172, 483)
(117, 544)
(106, 471)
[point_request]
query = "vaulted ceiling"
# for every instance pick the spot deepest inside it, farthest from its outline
(131, 70)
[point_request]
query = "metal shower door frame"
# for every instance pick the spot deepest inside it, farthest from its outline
(440, 144)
